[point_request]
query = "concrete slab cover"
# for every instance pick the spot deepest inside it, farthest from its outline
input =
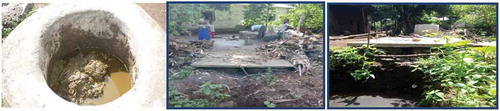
(426, 28)
(248, 34)
(404, 42)
(245, 63)
(28, 49)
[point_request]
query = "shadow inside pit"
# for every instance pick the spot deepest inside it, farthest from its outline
(394, 86)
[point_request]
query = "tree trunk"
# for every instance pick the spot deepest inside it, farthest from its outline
(300, 21)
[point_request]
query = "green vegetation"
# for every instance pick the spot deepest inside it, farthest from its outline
(185, 72)
(176, 99)
(357, 61)
(312, 16)
(183, 15)
(9, 26)
(269, 104)
(401, 19)
(255, 14)
(214, 93)
(460, 76)
(269, 78)
(480, 19)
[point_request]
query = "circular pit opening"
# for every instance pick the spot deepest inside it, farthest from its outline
(88, 58)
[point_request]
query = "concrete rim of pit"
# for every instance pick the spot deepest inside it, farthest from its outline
(25, 56)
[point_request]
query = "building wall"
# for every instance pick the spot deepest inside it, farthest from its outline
(346, 20)
(230, 21)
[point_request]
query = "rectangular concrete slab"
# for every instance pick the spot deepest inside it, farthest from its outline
(404, 42)
(228, 63)
(426, 28)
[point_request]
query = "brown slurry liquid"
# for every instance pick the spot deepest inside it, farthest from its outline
(116, 85)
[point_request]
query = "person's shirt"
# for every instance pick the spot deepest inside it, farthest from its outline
(255, 27)
(283, 27)
(212, 27)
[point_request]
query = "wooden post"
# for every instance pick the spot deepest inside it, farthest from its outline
(268, 14)
(366, 27)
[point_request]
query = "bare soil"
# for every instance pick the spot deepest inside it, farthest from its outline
(249, 91)
(287, 90)
(158, 11)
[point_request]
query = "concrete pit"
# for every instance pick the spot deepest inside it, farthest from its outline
(123, 31)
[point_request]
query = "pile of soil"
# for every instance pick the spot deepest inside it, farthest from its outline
(81, 77)
(302, 52)
(181, 53)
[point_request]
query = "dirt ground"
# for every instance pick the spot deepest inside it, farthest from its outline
(288, 90)
(158, 11)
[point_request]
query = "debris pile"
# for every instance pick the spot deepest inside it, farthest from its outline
(181, 53)
(80, 78)
(302, 52)
(203, 44)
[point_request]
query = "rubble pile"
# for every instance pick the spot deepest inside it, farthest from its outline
(302, 52)
(182, 53)
(204, 44)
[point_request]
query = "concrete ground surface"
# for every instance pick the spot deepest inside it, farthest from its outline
(371, 100)
(235, 54)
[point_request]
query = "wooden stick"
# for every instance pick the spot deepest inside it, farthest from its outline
(244, 70)
(398, 56)
(282, 100)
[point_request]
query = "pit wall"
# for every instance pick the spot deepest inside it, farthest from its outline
(389, 78)
(122, 29)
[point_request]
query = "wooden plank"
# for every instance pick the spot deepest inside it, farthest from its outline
(222, 63)
(402, 56)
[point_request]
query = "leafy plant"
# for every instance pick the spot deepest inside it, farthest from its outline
(269, 104)
(176, 99)
(9, 26)
(180, 16)
(297, 96)
(357, 60)
(183, 73)
(480, 19)
(269, 78)
(459, 76)
(312, 16)
(255, 14)
(214, 91)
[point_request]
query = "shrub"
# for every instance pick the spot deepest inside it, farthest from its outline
(459, 76)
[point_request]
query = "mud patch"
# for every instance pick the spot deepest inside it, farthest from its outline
(89, 77)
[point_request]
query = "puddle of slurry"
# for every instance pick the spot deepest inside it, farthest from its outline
(116, 85)
(118, 80)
